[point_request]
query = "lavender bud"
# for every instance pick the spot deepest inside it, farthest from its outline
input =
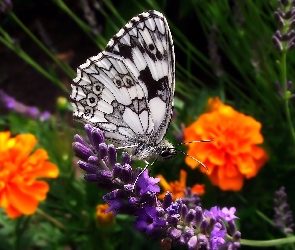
(117, 170)
(97, 136)
(173, 219)
(199, 215)
(174, 233)
(90, 177)
(167, 200)
(277, 43)
(127, 174)
(78, 138)
(232, 227)
(289, 13)
(93, 160)
(160, 211)
(183, 211)
(104, 175)
(88, 128)
(290, 45)
(289, 85)
(102, 150)
(133, 201)
(202, 240)
(81, 151)
(211, 222)
(291, 25)
(204, 225)
(126, 158)
(192, 243)
(188, 232)
(112, 155)
(89, 168)
(279, 20)
(190, 216)
(237, 236)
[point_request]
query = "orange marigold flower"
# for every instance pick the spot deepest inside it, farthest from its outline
(177, 187)
(103, 218)
(20, 192)
(233, 155)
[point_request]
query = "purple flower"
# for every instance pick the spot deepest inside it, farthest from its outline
(17, 107)
(228, 214)
(146, 183)
(182, 221)
(283, 217)
(214, 212)
(5, 6)
(147, 220)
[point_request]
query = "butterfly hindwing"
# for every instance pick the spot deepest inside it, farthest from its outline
(127, 90)
(106, 95)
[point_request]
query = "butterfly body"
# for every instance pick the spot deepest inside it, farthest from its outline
(127, 90)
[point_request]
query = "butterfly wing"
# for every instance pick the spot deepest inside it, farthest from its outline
(127, 90)
(146, 45)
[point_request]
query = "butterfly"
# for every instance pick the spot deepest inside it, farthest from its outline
(127, 90)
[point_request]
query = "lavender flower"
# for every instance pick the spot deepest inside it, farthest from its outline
(5, 6)
(11, 104)
(284, 37)
(283, 217)
(179, 222)
(215, 58)
(89, 15)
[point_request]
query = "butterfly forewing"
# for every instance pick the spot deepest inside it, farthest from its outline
(127, 90)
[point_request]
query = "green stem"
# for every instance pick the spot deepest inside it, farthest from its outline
(284, 77)
(259, 213)
(268, 243)
(65, 67)
(51, 219)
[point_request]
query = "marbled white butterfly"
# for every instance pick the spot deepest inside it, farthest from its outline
(127, 90)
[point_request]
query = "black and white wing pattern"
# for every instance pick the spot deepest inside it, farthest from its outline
(127, 90)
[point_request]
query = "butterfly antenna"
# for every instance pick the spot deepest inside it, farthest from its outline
(183, 143)
(203, 165)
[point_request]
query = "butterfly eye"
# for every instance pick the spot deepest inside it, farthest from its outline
(92, 100)
(168, 153)
(97, 88)
(128, 81)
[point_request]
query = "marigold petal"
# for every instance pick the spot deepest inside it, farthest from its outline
(37, 190)
(44, 170)
(20, 201)
(3, 198)
(183, 176)
(213, 104)
(225, 182)
(198, 189)
(163, 182)
(4, 137)
(24, 144)
(12, 212)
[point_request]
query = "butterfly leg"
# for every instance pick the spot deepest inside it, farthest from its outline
(147, 164)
